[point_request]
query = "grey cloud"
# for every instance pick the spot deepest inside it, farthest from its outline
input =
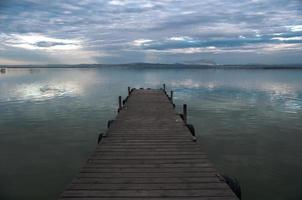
(112, 28)
(49, 44)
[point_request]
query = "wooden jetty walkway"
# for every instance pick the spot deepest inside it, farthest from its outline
(149, 153)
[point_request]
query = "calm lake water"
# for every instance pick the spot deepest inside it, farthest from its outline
(250, 122)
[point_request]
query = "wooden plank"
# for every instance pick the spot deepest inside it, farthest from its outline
(134, 152)
(148, 148)
(145, 170)
(149, 198)
(146, 157)
(95, 180)
(138, 166)
(145, 174)
(148, 161)
(149, 154)
(149, 193)
(149, 186)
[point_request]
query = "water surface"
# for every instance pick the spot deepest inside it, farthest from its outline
(249, 122)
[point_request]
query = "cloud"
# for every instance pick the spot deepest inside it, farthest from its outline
(38, 41)
(296, 28)
(187, 44)
(41, 49)
(49, 44)
(295, 39)
(181, 38)
(117, 3)
(107, 31)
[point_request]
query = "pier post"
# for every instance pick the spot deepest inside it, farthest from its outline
(185, 113)
(171, 96)
(120, 102)
(164, 87)
(129, 91)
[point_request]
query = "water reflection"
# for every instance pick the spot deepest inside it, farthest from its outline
(249, 121)
(283, 95)
(40, 92)
(32, 85)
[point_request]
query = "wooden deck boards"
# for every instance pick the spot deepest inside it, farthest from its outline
(148, 154)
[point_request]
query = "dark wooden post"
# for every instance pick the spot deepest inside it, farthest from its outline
(164, 87)
(120, 102)
(129, 90)
(185, 113)
(171, 96)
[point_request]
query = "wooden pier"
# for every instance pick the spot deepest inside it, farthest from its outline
(148, 152)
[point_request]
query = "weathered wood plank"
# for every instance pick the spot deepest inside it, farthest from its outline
(146, 157)
(145, 174)
(149, 198)
(162, 153)
(147, 186)
(149, 193)
(148, 180)
(138, 166)
(144, 170)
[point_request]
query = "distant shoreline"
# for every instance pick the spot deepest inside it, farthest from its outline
(159, 66)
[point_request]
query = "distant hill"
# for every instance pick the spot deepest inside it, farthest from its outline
(200, 62)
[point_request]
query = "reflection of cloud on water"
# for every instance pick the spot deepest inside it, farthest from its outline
(283, 96)
(67, 83)
(151, 79)
(279, 89)
(189, 83)
(292, 106)
(40, 91)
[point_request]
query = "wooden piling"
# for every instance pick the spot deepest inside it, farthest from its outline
(185, 113)
(120, 102)
(129, 91)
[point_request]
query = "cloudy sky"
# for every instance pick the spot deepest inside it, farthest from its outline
(165, 31)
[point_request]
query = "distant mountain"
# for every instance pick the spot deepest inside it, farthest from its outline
(200, 62)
